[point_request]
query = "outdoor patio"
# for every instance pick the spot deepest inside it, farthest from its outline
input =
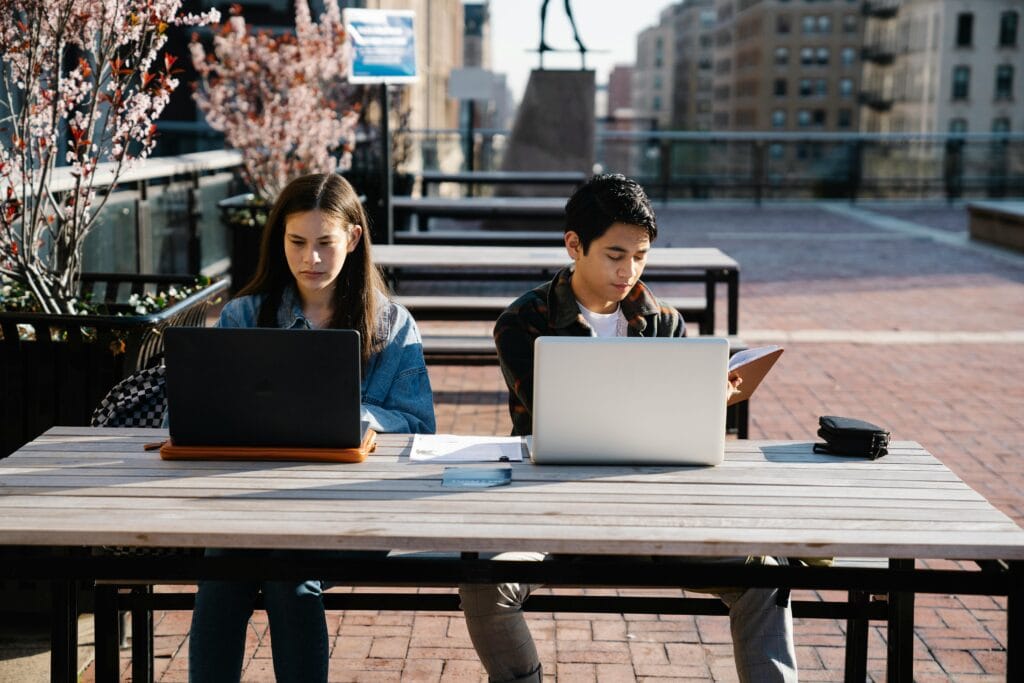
(888, 313)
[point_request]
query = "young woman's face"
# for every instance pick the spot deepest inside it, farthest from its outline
(315, 246)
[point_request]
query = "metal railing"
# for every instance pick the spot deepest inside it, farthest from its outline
(782, 165)
(162, 217)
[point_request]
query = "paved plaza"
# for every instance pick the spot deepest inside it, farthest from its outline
(889, 313)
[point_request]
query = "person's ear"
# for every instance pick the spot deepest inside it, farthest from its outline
(572, 244)
(355, 233)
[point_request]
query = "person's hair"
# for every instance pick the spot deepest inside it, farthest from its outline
(604, 200)
(359, 285)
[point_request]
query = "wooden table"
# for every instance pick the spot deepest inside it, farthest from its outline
(91, 487)
(666, 264)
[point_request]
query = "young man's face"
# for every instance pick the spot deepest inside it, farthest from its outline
(610, 268)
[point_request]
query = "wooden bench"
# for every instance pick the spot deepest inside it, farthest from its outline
(1000, 223)
(473, 178)
(514, 238)
(548, 210)
(459, 307)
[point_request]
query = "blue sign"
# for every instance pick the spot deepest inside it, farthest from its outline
(383, 45)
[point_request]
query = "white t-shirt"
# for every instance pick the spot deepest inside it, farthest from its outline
(605, 324)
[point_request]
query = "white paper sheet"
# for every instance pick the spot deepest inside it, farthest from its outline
(461, 448)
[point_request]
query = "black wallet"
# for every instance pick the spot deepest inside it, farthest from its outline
(847, 436)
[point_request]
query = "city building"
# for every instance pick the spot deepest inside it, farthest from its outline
(943, 66)
(694, 23)
(653, 72)
(786, 65)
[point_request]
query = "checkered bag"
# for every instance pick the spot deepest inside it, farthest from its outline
(139, 400)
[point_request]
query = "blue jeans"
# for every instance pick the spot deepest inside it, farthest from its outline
(295, 609)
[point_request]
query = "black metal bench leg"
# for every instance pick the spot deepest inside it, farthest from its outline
(64, 632)
(900, 664)
(1015, 624)
(108, 630)
(856, 669)
(142, 636)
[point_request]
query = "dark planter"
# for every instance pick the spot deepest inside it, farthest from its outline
(243, 216)
(58, 375)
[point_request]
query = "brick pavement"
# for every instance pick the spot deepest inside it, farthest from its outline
(807, 269)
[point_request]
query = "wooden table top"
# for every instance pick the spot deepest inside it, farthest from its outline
(527, 258)
(95, 486)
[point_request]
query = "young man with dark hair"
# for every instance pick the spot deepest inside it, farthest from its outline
(609, 227)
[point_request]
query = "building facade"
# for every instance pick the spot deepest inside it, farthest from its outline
(939, 66)
(653, 73)
(693, 34)
(786, 65)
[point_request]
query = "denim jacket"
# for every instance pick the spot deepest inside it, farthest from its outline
(396, 395)
(551, 310)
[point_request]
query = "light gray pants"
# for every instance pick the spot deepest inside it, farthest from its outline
(762, 632)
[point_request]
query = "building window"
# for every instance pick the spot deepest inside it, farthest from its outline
(957, 126)
(849, 23)
(824, 24)
(1008, 29)
(782, 23)
(964, 29)
(1001, 125)
(807, 24)
(846, 87)
(776, 151)
(807, 56)
(821, 87)
(657, 82)
(961, 82)
(803, 118)
(849, 56)
(819, 117)
(781, 56)
(780, 87)
(779, 118)
(805, 87)
(822, 55)
(1004, 82)
(845, 118)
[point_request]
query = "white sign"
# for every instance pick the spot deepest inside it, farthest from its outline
(383, 45)
(471, 84)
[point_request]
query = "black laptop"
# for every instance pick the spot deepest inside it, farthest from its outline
(262, 387)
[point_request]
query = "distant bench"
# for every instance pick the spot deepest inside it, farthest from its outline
(457, 307)
(472, 178)
(513, 238)
(549, 210)
(1000, 223)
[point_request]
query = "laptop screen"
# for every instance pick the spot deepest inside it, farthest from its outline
(629, 400)
(263, 387)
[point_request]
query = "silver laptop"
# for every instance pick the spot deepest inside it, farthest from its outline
(629, 400)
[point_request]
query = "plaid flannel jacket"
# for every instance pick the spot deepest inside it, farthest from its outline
(551, 310)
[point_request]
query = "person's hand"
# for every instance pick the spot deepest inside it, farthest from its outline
(733, 385)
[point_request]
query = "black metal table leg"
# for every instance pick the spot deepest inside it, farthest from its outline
(856, 667)
(707, 325)
(900, 664)
(1015, 624)
(733, 285)
(64, 632)
(107, 633)
(142, 637)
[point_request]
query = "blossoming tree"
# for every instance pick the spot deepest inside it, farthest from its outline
(81, 82)
(279, 98)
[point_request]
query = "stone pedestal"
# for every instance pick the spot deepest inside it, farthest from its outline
(554, 130)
